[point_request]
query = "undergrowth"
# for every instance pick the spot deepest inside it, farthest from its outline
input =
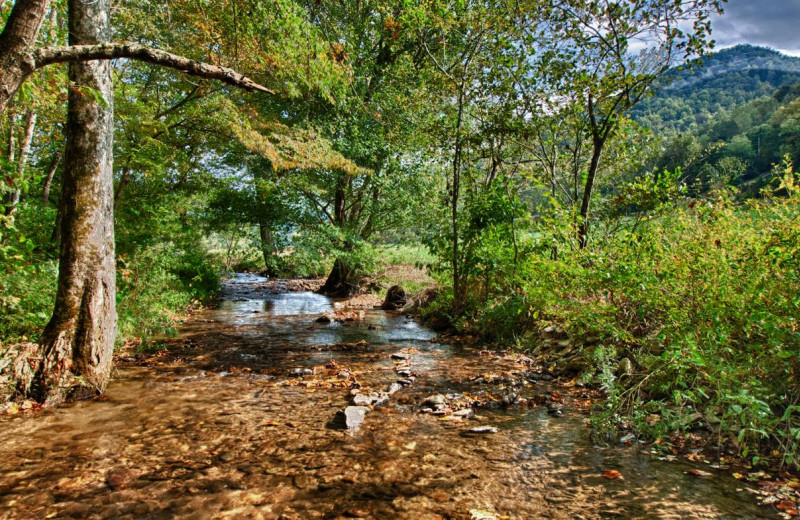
(700, 305)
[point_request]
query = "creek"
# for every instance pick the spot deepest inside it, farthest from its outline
(216, 427)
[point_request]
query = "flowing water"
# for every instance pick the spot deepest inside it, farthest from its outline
(216, 428)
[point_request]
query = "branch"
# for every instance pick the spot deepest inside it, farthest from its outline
(136, 51)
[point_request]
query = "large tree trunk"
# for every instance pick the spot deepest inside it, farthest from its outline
(78, 342)
(342, 282)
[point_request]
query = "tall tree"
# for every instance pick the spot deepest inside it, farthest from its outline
(587, 47)
(78, 342)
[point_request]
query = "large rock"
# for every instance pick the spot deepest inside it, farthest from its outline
(396, 298)
(482, 430)
(350, 418)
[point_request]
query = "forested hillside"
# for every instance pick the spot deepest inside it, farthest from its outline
(595, 225)
(689, 98)
(727, 121)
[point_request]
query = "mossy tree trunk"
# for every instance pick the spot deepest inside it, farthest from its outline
(78, 342)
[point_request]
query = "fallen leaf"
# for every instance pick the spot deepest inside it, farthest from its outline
(612, 474)
(698, 473)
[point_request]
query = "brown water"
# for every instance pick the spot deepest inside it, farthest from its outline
(217, 429)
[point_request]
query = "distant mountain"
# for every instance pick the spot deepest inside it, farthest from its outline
(689, 98)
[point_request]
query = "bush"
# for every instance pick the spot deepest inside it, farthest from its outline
(705, 305)
(155, 288)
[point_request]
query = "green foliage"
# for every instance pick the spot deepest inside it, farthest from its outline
(704, 301)
(27, 293)
(156, 287)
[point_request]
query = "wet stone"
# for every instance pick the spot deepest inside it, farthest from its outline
(350, 418)
(300, 372)
(466, 413)
(226, 456)
(400, 356)
(361, 400)
(483, 430)
(394, 388)
(374, 400)
(554, 410)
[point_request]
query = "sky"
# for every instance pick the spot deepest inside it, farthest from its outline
(769, 23)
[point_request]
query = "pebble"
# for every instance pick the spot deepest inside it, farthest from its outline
(394, 388)
(400, 356)
(467, 413)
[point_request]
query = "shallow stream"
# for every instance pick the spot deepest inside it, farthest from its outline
(217, 428)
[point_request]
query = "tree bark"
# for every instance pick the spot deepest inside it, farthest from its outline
(78, 342)
(16, 43)
(343, 278)
(583, 230)
(458, 296)
(268, 249)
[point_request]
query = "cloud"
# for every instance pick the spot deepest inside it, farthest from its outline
(771, 23)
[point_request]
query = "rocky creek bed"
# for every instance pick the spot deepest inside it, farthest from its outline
(265, 409)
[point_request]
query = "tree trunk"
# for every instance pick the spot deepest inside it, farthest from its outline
(583, 229)
(48, 180)
(458, 290)
(267, 247)
(342, 282)
(16, 41)
(78, 342)
(22, 163)
(343, 279)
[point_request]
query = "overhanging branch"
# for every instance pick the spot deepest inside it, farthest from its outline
(139, 52)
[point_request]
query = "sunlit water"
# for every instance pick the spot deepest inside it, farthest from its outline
(206, 432)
